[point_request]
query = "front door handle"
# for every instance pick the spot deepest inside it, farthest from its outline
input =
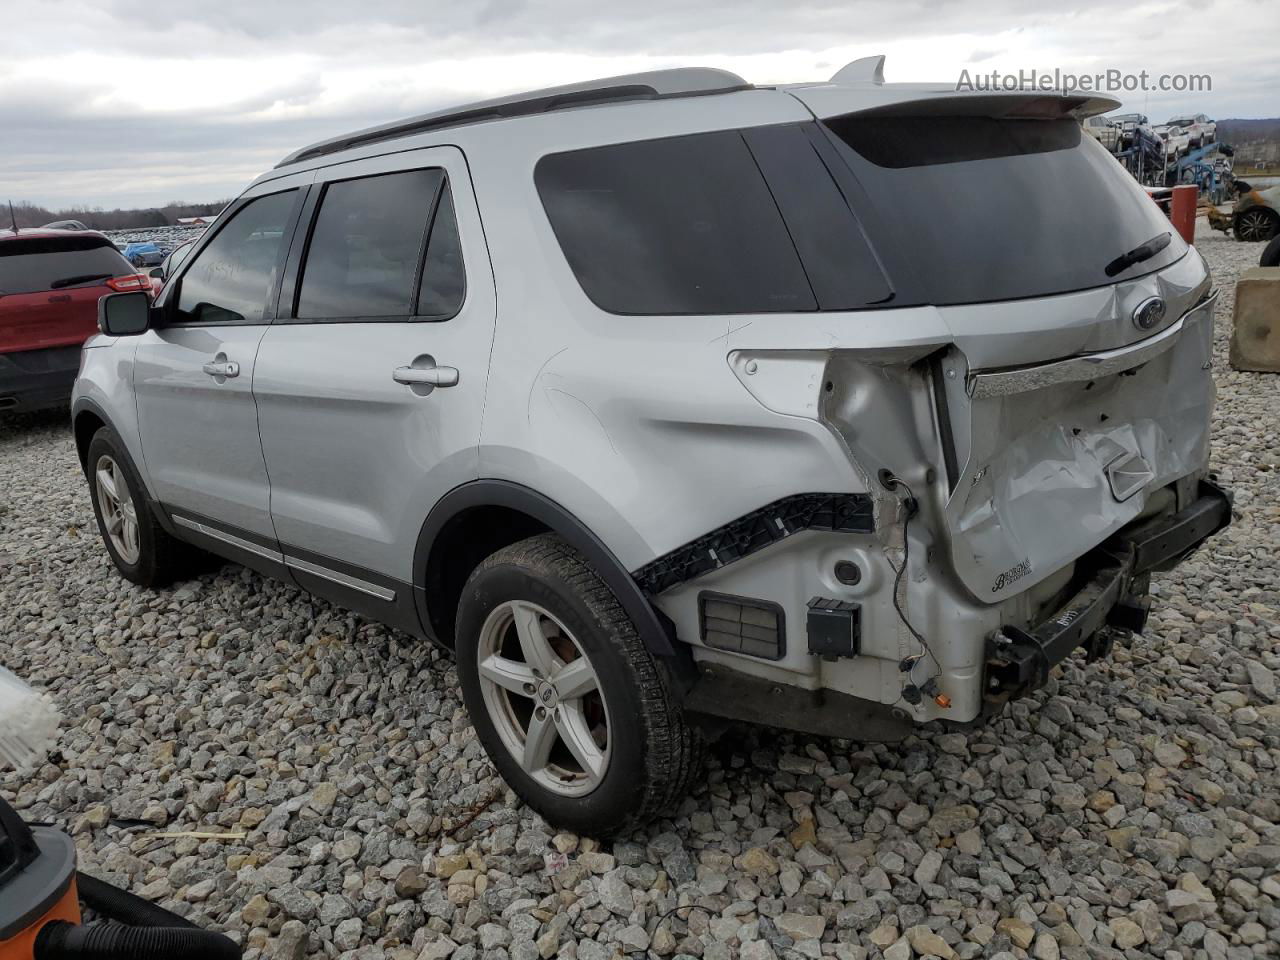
(432, 376)
(423, 375)
(221, 369)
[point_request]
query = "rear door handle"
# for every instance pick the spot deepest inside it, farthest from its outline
(423, 375)
(221, 369)
(432, 376)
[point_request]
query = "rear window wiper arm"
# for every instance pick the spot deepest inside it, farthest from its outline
(85, 278)
(1138, 254)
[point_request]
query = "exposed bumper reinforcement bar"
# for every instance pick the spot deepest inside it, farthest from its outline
(1112, 598)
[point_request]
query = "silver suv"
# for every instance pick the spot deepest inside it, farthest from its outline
(666, 400)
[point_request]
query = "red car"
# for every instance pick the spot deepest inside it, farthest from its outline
(50, 283)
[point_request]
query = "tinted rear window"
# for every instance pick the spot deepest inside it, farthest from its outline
(32, 264)
(996, 209)
(366, 246)
(684, 225)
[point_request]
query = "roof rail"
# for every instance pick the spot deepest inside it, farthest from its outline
(654, 85)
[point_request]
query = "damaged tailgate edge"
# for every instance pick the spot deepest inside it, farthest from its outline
(1000, 383)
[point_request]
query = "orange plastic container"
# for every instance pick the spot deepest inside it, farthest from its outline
(37, 883)
(67, 907)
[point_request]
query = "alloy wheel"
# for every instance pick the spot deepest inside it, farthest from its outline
(544, 698)
(1255, 225)
(119, 515)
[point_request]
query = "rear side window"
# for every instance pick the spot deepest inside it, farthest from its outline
(684, 225)
(35, 264)
(230, 279)
(366, 245)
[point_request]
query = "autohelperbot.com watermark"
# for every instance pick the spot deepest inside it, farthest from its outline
(1067, 81)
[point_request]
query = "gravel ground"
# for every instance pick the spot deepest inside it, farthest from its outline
(1131, 807)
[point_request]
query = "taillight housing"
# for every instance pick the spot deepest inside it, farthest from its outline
(127, 284)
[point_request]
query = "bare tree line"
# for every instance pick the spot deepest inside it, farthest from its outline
(32, 215)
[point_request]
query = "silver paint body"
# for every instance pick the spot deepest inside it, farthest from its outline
(655, 430)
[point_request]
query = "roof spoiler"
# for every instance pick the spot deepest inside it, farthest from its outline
(933, 99)
(1016, 105)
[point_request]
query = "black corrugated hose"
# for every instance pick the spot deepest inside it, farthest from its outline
(108, 940)
(117, 904)
(137, 930)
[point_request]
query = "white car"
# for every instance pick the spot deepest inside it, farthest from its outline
(1176, 139)
(1199, 129)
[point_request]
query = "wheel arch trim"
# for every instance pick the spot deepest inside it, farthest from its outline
(82, 405)
(86, 405)
(654, 629)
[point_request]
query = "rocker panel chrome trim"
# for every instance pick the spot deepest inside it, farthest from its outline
(295, 563)
(230, 539)
(342, 579)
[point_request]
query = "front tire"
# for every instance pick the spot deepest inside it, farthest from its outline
(138, 546)
(573, 709)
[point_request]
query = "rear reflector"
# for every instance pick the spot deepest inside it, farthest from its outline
(135, 281)
(742, 625)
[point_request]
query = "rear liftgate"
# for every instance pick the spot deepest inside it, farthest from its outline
(1088, 464)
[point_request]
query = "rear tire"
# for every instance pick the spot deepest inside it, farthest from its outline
(546, 654)
(139, 547)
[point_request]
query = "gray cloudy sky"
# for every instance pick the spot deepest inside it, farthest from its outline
(108, 102)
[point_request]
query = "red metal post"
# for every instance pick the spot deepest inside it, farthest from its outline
(1183, 211)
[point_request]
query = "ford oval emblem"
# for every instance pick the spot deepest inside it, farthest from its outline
(1148, 313)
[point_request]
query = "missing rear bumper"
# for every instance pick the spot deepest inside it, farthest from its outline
(730, 695)
(1111, 599)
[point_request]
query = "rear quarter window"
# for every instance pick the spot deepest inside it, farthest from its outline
(684, 225)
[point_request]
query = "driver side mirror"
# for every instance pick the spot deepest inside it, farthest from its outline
(124, 314)
(156, 273)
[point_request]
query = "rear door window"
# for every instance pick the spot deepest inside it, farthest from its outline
(444, 281)
(230, 279)
(684, 225)
(366, 246)
(35, 264)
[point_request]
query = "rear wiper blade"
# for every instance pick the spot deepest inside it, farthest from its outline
(85, 278)
(1138, 254)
